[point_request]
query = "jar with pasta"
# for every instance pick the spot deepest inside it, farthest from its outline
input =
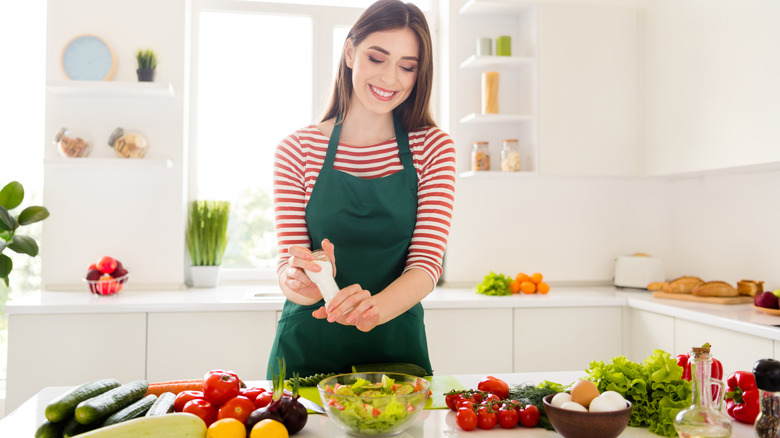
(510, 156)
(72, 144)
(128, 145)
(480, 156)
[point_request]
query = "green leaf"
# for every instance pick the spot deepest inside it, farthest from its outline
(6, 265)
(24, 245)
(7, 222)
(12, 195)
(31, 215)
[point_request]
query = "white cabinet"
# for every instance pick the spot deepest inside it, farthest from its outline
(648, 331)
(184, 345)
(469, 341)
(57, 350)
(737, 351)
(566, 338)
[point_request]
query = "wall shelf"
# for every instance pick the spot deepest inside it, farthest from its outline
(111, 89)
(475, 118)
(494, 174)
(497, 62)
(109, 163)
(492, 7)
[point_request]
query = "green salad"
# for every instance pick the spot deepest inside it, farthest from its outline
(375, 408)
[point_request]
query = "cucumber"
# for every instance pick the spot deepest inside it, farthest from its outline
(131, 411)
(397, 368)
(163, 405)
(175, 425)
(311, 380)
(73, 428)
(97, 408)
(62, 407)
(49, 430)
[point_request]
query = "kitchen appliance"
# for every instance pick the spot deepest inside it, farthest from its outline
(638, 270)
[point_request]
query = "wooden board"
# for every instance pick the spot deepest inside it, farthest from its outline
(744, 299)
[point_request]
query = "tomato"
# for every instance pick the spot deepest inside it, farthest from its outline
(465, 403)
(466, 419)
(508, 416)
(183, 397)
(529, 416)
(238, 407)
(252, 393)
(219, 386)
(491, 398)
(452, 401)
(263, 400)
(203, 409)
(106, 265)
(486, 418)
(494, 385)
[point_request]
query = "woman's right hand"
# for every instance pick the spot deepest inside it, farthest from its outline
(294, 278)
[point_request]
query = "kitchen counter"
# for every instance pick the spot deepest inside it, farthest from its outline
(435, 423)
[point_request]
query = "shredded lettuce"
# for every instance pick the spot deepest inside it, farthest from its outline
(655, 387)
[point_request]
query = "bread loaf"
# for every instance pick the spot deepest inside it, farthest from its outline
(750, 287)
(715, 289)
(682, 285)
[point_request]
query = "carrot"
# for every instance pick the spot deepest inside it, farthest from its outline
(175, 386)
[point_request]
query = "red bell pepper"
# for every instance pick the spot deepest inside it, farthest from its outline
(742, 397)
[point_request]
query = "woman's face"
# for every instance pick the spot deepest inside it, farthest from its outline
(384, 69)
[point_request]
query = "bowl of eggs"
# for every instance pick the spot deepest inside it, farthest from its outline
(583, 412)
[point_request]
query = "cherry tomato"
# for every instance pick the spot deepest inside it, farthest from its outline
(263, 400)
(476, 398)
(508, 416)
(203, 409)
(466, 419)
(494, 385)
(452, 401)
(238, 407)
(252, 393)
(183, 397)
(219, 386)
(529, 416)
(465, 403)
(486, 418)
(491, 398)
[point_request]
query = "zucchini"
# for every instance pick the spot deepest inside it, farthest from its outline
(163, 405)
(131, 411)
(97, 408)
(62, 407)
(49, 430)
(175, 425)
(73, 428)
(397, 368)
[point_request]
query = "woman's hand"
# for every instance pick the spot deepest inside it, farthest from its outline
(294, 278)
(352, 306)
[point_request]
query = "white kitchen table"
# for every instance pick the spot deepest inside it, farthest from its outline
(435, 423)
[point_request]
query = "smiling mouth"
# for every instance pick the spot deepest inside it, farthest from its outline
(382, 94)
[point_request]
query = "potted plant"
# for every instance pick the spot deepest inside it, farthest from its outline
(11, 196)
(206, 240)
(147, 64)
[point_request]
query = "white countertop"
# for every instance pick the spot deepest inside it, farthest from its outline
(737, 317)
(435, 423)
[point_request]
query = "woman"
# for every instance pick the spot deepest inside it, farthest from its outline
(372, 185)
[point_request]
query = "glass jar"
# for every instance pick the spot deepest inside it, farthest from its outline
(480, 156)
(72, 144)
(702, 419)
(510, 156)
(128, 145)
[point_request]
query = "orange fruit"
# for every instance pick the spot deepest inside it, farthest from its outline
(536, 277)
(268, 429)
(514, 286)
(226, 428)
(543, 287)
(528, 287)
(522, 277)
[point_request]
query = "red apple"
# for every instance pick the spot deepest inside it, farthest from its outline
(106, 265)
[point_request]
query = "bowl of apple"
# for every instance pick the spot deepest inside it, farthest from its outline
(106, 277)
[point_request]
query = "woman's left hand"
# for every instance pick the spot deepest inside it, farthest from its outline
(352, 306)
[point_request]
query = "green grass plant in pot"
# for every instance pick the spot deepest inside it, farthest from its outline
(147, 65)
(11, 196)
(206, 240)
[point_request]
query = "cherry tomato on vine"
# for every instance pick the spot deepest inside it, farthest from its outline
(486, 418)
(452, 401)
(491, 398)
(465, 403)
(494, 385)
(508, 416)
(466, 419)
(529, 416)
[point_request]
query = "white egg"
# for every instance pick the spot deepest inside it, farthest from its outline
(604, 404)
(616, 397)
(573, 406)
(560, 398)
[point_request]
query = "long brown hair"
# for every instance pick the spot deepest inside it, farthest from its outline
(414, 112)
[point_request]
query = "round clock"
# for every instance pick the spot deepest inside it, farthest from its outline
(88, 58)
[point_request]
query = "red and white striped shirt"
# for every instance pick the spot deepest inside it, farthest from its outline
(299, 158)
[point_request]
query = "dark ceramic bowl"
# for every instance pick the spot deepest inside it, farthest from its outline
(573, 424)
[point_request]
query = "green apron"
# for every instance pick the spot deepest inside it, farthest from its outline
(370, 222)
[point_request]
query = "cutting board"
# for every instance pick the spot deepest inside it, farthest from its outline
(712, 300)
